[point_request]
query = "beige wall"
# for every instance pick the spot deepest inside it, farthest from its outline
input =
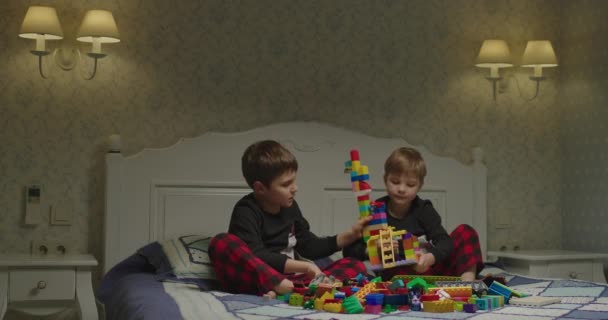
(390, 68)
(584, 129)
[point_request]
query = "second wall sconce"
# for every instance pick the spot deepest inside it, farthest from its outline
(42, 23)
(538, 54)
(495, 54)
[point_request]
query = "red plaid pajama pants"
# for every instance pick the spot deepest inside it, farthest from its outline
(239, 271)
(466, 253)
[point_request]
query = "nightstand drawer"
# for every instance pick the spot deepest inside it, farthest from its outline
(34, 284)
(582, 270)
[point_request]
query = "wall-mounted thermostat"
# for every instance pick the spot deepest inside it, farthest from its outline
(33, 204)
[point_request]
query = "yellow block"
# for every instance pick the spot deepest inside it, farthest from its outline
(319, 304)
(333, 307)
(439, 306)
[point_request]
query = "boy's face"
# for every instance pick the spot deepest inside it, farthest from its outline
(280, 193)
(402, 188)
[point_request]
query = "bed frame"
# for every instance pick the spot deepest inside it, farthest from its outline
(192, 186)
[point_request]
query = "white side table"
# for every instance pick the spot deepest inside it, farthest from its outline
(47, 285)
(559, 264)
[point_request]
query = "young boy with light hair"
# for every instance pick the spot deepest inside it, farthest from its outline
(457, 254)
(267, 231)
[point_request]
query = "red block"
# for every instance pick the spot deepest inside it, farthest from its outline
(429, 297)
(364, 185)
(363, 198)
(354, 155)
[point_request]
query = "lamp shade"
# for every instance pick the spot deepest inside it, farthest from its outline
(494, 54)
(41, 22)
(98, 24)
(539, 53)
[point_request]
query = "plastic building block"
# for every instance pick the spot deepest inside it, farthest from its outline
(428, 279)
(469, 308)
(396, 299)
(439, 306)
(454, 291)
(483, 303)
(429, 297)
(396, 284)
(374, 299)
(296, 299)
(309, 304)
(417, 282)
(319, 304)
(373, 309)
(479, 287)
(333, 306)
(504, 290)
(389, 308)
(498, 301)
(365, 290)
(352, 305)
(458, 306)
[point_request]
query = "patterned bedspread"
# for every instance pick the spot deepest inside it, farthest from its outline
(579, 300)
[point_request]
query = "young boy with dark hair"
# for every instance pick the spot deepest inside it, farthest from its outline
(457, 254)
(267, 230)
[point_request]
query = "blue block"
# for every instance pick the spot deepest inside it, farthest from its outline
(483, 303)
(377, 221)
(362, 177)
(396, 299)
(497, 288)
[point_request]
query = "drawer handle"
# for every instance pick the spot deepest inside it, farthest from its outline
(573, 275)
(41, 285)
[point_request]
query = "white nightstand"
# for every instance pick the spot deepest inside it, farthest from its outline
(46, 285)
(558, 264)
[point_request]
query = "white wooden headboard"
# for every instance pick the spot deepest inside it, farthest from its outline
(191, 187)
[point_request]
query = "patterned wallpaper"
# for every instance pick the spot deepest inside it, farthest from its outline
(584, 133)
(187, 67)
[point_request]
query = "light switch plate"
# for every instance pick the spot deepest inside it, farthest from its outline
(60, 216)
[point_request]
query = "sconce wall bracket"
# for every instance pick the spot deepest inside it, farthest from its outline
(494, 80)
(64, 60)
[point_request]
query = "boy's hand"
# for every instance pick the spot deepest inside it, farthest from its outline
(312, 270)
(355, 232)
(357, 228)
(425, 261)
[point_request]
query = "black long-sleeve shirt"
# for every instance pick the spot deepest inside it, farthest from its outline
(268, 234)
(421, 219)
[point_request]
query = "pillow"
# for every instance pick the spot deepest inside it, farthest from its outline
(188, 256)
(183, 259)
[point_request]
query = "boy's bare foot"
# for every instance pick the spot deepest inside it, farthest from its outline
(270, 295)
(468, 276)
(286, 286)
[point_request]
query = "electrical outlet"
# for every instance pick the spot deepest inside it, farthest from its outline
(50, 248)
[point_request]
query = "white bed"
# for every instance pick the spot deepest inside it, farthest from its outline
(191, 187)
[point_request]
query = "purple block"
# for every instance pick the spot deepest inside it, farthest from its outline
(469, 308)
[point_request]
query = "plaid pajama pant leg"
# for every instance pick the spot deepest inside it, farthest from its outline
(342, 269)
(237, 269)
(466, 253)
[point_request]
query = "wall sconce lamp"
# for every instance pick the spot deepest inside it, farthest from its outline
(494, 54)
(41, 24)
(539, 54)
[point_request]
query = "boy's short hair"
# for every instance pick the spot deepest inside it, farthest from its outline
(405, 160)
(266, 160)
